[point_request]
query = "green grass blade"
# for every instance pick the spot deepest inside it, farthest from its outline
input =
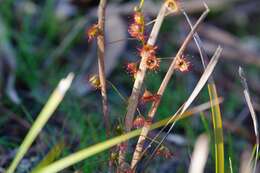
(97, 148)
(41, 120)
(230, 165)
(218, 130)
(51, 156)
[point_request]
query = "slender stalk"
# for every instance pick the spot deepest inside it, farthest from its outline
(155, 105)
(253, 116)
(101, 63)
(133, 100)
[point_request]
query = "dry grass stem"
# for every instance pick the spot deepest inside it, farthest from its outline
(155, 105)
(101, 65)
(253, 114)
(133, 100)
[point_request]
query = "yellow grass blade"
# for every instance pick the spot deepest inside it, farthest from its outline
(218, 130)
(53, 154)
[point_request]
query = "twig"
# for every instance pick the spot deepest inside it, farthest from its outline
(101, 64)
(197, 41)
(133, 100)
(161, 90)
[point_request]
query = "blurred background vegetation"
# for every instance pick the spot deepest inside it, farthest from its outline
(42, 41)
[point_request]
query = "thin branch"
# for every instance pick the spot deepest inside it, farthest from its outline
(101, 64)
(155, 105)
(133, 100)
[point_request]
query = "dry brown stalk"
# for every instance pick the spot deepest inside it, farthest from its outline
(101, 65)
(133, 100)
(145, 129)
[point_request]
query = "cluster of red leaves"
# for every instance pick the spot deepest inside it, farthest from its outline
(132, 68)
(138, 122)
(92, 32)
(149, 97)
(136, 29)
(182, 64)
(153, 63)
(148, 51)
(126, 170)
(94, 81)
(164, 152)
(173, 5)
